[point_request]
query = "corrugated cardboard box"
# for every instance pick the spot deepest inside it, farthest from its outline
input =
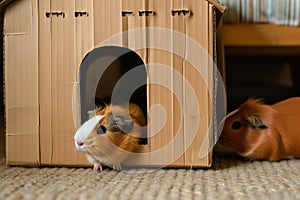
(45, 43)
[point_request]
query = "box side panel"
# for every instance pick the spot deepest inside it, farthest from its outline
(136, 24)
(134, 37)
(196, 89)
(111, 20)
(84, 29)
(21, 83)
(107, 20)
(58, 47)
(133, 22)
(163, 102)
(211, 81)
(208, 144)
(66, 36)
(45, 81)
(62, 79)
(84, 42)
(178, 44)
(65, 40)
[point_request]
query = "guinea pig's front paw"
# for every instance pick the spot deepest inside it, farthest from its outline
(97, 167)
(117, 167)
(249, 159)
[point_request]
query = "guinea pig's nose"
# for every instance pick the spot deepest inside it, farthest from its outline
(80, 143)
(80, 146)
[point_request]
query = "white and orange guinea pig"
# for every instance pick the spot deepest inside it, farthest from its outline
(264, 132)
(110, 136)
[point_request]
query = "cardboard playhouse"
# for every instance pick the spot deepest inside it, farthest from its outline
(55, 51)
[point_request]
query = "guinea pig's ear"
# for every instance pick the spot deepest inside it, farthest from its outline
(255, 122)
(125, 125)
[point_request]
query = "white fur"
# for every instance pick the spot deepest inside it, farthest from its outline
(85, 130)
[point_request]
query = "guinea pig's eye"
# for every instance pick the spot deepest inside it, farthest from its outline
(101, 130)
(236, 125)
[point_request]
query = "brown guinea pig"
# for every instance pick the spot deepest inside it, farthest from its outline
(110, 136)
(264, 132)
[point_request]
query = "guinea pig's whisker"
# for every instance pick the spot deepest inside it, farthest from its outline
(107, 155)
(96, 150)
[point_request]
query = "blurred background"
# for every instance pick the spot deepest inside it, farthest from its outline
(262, 50)
(272, 77)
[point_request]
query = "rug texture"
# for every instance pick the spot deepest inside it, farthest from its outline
(228, 178)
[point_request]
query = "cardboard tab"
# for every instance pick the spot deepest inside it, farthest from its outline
(55, 14)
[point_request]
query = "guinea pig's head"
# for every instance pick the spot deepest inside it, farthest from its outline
(111, 128)
(246, 128)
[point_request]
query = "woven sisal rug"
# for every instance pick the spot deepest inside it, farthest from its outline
(228, 178)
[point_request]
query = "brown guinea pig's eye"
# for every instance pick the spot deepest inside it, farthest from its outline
(101, 130)
(236, 125)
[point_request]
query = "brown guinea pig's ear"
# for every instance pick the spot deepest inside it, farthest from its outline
(255, 122)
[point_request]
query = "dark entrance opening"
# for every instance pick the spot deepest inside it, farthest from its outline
(101, 76)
